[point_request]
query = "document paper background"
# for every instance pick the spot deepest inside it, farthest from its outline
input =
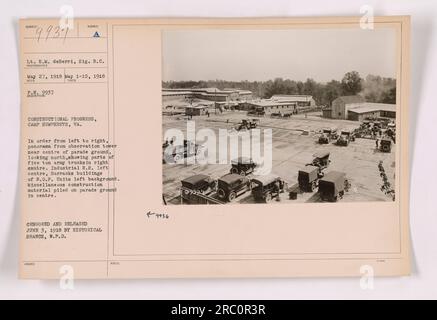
(99, 84)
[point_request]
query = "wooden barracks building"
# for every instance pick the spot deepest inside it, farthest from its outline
(280, 104)
(357, 109)
(210, 94)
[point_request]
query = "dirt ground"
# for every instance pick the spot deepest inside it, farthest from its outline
(292, 149)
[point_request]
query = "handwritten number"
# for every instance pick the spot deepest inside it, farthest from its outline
(49, 29)
(52, 32)
(66, 32)
(38, 33)
(57, 32)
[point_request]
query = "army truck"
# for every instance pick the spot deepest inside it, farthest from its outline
(320, 160)
(326, 135)
(344, 139)
(276, 115)
(242, 166)
(195, 185)
(385, 145)
(267, 187)
(247, 124)
(333, 185)
(231, 186)
(259, 112)
(173, 153)
(308, 178)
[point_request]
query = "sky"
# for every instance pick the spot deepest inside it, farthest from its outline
(296, 54)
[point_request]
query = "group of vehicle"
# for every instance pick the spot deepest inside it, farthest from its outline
(259, 112)
(385, 144)
(331, 186)
(234, 184)
(280, 115)
(247, 124)
(386, 185)
(173, 153)
(380, 129)
(265, 188)
(341, 139)
(309, 176)
(374, 128)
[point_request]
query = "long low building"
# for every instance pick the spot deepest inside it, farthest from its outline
(280, 104)
(171, 95)
(298, 99)
(361, 111)
(269, 106)
(357, 109)
(211, 94)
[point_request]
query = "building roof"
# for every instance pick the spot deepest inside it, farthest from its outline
(240, 91)
(292, 97)
(349, 99)
(208, 89)
(174, 93)
(366, 107)
(269, 103)
(203, 91)
(244, 92)
(197, 107)
(176, 89)
(207, 94)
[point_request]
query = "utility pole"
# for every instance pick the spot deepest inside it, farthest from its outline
(215, 102)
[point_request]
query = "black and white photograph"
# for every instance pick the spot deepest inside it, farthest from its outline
(279, 116)
(223, 158)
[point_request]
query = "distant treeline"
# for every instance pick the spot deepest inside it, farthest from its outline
(372, 88)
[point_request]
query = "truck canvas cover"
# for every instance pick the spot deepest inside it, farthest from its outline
(333, 178)
(308, 173)
(265, 179)
(321, 154)
(230, 178)
(242, 160)
(194, 181)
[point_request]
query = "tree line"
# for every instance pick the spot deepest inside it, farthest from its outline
(372, 88)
